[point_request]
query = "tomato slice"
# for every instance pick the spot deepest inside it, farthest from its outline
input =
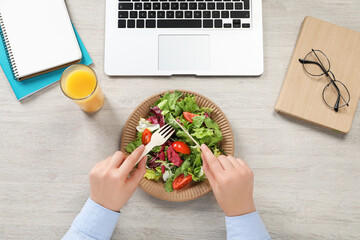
(189, 116)
(181, 147)
(181, 181)
(146, 136)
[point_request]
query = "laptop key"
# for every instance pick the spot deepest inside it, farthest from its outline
(238, 6)
(125, 6)
(156, 6)
(142, 14)
(138, 6)
(246, 4)
(197, 14)
(150, 23)
(246, 25)
(131, 23)
(183, 6)
(181, 23)
(237, 23)
(218, 23)
(133, 14)
(165, 6)
(123, 14)
(229, 6)
(240, 14)
(201, 6)
(215, 14)
(211, 6)
(161, 14)
(220, 6)
(170, 14)
(225, 14)
(151, 14)
(122, 24)
(188, 14)
(147, 6)
(208, 23)
(174, 6)
(227, 25)
(179, 14)
(140, 23)
(192, 6)
(206, 14)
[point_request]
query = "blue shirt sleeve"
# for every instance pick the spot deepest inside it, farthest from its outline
(94, 222)
(246, 227)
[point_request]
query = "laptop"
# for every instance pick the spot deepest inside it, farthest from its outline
(183, 37)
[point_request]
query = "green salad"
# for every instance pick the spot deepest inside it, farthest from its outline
(177, 162)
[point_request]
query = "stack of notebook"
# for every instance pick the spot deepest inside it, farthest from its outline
(35, 52)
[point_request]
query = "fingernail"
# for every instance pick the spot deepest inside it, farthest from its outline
(203, 146)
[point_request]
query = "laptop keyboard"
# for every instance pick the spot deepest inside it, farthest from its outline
(184, 14)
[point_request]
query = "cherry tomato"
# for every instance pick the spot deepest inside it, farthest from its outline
(146, 136)
(181, 147)
(189, 116)
(181, 181)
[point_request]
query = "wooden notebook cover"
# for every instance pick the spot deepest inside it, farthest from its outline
(301, 94)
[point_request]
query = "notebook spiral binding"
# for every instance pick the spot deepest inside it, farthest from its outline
(9, 53)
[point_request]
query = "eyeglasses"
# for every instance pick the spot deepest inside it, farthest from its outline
(335, 93)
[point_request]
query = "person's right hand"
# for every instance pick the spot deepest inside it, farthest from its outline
(110, 185)
(232, 182)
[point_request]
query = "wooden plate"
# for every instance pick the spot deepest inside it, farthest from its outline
(194, 190)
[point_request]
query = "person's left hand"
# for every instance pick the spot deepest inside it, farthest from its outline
(110, 185)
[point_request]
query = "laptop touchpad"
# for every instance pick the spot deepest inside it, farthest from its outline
(184, 53)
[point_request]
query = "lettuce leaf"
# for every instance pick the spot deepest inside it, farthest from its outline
(188, 104)
(198, 121)
(200, 133)
(168, 103)
(198, 174)
(184, 137)
(169, 185)
(134, 144)
(152, 174)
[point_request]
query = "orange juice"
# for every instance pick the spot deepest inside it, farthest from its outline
(80, 83)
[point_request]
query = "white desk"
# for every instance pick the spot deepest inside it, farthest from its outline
(306, 178)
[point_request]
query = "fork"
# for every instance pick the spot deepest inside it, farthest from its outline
(157, 139)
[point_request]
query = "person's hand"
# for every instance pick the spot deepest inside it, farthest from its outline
(110, 185)
(232, 182)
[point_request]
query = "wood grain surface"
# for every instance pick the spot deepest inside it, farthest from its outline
(306, 178)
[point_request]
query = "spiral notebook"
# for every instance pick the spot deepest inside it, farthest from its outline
(38, 36)
(301, 95)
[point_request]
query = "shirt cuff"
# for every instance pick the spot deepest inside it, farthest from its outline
(96, 221)
(247, 227)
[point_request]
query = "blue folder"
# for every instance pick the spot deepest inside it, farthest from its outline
(29, 86)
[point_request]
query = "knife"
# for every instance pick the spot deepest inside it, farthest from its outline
(187, 133)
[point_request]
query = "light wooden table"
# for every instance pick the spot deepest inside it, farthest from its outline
(307, 181)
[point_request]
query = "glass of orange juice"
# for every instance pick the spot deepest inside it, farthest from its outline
(79, 83)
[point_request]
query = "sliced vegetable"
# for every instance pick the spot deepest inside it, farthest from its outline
(174, 157)
(144, 124)
(146, 136)
(159, 117)
(181, 181)
(189, 116)
(181, 147)
(152, 174)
